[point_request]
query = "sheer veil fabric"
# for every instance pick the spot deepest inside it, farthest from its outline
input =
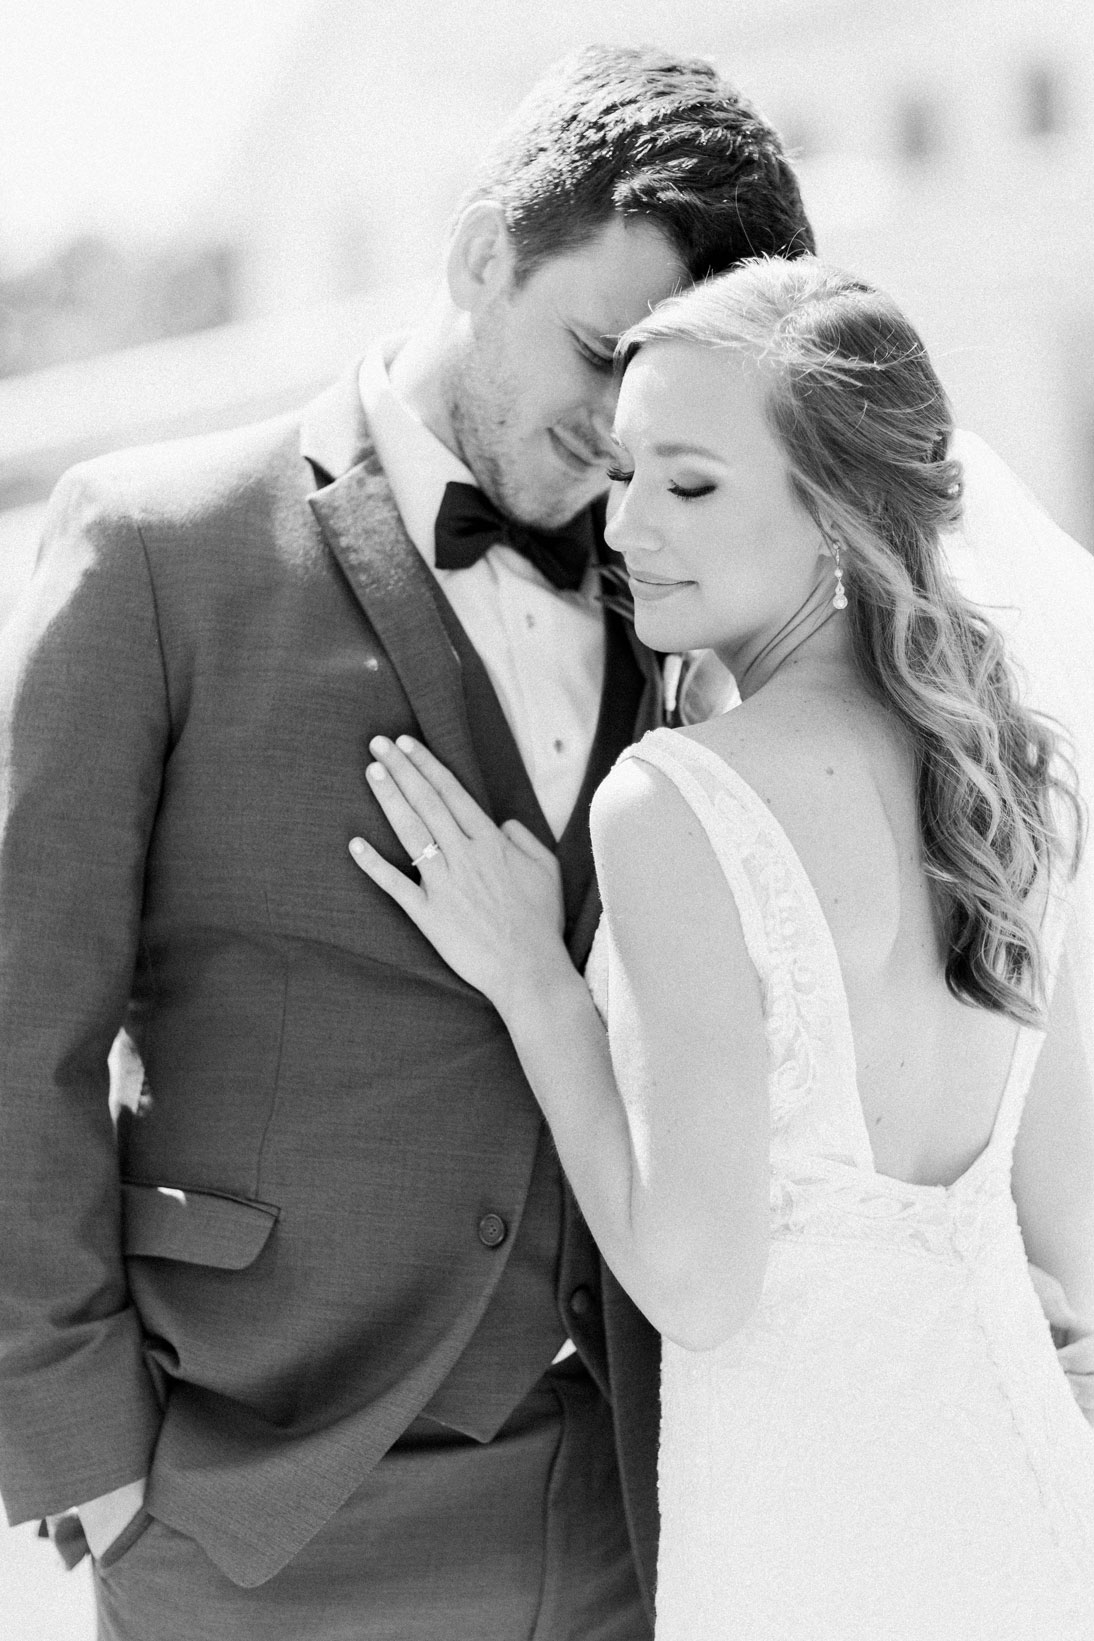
(1037, 584)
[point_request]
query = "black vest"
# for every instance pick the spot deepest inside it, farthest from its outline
(550, 1287)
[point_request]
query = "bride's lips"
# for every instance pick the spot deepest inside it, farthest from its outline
(650, 589)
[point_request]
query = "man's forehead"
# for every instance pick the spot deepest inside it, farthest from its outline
(617, 276)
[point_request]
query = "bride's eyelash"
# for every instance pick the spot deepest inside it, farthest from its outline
(693, 493)
(686, 493)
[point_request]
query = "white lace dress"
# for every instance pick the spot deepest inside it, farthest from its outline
(888, 1449)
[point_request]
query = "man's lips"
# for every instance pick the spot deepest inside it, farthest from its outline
(576, 454)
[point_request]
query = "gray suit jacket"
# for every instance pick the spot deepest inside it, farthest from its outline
(258, 1287)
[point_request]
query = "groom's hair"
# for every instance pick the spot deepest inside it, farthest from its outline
(633, 131)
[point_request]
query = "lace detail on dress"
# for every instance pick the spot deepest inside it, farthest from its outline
(828, 1201)
(805, 1008)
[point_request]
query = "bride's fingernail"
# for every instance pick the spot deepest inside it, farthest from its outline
(356, 846)
(406, 743)
(379, 743)
(376, 772)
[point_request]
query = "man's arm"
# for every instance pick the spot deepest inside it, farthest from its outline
(84, 728)
(1054, 1186)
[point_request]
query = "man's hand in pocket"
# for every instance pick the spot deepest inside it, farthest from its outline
(104, 1519)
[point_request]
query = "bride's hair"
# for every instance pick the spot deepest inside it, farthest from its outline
(865, 427)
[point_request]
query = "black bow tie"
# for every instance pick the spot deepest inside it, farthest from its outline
(469, 524)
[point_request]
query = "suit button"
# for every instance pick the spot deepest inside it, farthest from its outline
(581, 1302)
(492, 1230)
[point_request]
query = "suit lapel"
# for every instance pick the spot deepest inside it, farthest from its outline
(360, 522)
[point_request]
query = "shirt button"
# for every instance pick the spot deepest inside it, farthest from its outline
(560, 746)
(529, 619)
(581, 1302)
(492, 1230)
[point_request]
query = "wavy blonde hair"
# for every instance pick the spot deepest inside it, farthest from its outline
(865, 427)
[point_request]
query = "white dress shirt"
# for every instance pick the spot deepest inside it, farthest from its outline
(543, 650)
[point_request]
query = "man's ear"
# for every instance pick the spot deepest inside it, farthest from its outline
(480, 256)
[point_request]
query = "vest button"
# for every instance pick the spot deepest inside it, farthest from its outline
(492, 1230)
(581, 1302)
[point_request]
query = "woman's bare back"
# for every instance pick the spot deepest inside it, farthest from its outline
(836, 770)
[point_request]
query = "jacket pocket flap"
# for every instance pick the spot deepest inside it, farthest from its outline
(200, 1227)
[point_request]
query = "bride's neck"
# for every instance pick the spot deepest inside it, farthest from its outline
(816, 629)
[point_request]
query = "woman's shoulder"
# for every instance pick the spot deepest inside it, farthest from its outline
(656, 780)
(837, 774)
(669, 888)
(649, 834)
(787, 745)
(637, 800)
(795, 754)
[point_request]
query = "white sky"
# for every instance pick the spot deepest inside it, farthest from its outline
(116, 113)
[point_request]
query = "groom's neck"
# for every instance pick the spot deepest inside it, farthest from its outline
(422, 370)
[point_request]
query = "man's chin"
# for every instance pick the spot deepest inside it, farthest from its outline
(553, 509)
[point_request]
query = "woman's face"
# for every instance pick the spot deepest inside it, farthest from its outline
(719, 551)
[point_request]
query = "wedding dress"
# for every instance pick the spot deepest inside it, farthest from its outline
(887, 1450)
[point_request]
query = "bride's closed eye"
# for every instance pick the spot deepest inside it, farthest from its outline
(685, 492)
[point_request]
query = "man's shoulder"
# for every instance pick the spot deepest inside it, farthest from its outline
(184, 480)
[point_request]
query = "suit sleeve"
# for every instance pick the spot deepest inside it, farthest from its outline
(84, 731)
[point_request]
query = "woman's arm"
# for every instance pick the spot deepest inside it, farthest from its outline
(689, 1054)
(1054, 1158)
(670, 1163)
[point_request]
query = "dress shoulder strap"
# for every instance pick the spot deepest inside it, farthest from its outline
(1054, 928)
(674, 755)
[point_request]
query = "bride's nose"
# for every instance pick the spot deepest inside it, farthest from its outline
(626, 529)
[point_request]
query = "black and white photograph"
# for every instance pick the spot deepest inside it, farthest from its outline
(546, 763)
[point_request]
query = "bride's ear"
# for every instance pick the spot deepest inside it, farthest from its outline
(825, 526)
(827, 533)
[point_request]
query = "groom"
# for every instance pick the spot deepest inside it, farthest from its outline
(317, 1344)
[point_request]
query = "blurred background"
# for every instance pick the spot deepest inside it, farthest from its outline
(206, 210)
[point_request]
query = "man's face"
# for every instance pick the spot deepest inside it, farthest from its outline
(532, 396)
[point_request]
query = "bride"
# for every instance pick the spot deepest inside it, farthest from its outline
(833, 940)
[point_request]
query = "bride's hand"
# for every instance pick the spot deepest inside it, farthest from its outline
(490, 898)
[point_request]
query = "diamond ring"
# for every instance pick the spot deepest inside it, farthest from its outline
(427, 853)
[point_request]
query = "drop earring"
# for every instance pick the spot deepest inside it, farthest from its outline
(839, 601)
